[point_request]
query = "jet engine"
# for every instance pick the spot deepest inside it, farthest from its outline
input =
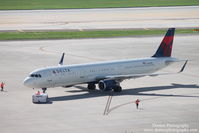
(107, 85)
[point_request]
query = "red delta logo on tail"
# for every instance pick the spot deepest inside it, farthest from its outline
(165, 47)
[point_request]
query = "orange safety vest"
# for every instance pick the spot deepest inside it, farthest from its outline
(38, 93)
(137, 101)
(2, 84)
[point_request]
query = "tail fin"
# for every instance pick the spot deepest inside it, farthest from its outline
(165, 47)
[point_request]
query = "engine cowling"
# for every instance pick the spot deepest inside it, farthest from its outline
(107, 85)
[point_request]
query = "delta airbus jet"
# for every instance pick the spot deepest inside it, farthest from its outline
(108, 75)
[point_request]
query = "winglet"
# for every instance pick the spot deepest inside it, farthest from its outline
(182, 69)
(62, 59)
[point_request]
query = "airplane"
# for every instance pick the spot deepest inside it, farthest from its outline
(108, 75)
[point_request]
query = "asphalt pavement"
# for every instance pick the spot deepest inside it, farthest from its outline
(167, 102)
(92, 19)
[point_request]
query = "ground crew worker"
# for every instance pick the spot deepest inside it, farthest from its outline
(137, 103)
(38, 93)
(2, 86)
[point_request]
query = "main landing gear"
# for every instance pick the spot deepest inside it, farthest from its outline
(91, 86)
(117, 88)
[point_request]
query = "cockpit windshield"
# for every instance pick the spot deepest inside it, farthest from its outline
(36, 75)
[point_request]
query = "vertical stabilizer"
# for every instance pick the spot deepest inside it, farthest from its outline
(165, 47)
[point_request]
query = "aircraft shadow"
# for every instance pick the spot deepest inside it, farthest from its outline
(134, 91)
(140, 91)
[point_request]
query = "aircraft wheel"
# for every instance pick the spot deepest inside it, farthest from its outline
(44, 90)
(91, 86)
(117, 89)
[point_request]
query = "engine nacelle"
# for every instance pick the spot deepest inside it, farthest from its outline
(107, 85)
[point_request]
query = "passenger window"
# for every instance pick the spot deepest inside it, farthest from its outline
(35, 75)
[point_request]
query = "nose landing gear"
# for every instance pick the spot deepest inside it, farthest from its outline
(44, 90)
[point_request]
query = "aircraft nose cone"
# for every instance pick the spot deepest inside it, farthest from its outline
(27, 82)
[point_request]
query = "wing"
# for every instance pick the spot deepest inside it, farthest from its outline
(124, 77)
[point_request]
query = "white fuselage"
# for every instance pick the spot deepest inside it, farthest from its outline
(69, 75)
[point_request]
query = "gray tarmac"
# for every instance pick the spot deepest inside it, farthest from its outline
(168, 103)
(110, 18)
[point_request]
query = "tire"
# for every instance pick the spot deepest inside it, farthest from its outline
(91, 86)
(44, 90)
(117, 89)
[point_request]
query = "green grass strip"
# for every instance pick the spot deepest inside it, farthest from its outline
(84, 34)
(63, 4)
